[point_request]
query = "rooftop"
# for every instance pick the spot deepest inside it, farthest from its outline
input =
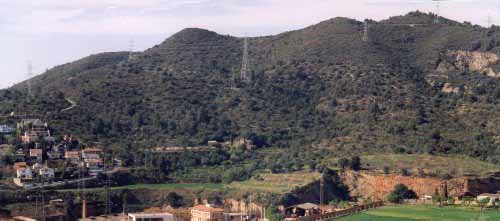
(205, 208)
(149, 215)
(305, 206)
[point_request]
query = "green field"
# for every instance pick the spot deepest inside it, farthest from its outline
(431, 213)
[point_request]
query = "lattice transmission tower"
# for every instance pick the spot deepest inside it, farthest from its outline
(438, 10)
(366, 36)
(30, 75)
(244, 66)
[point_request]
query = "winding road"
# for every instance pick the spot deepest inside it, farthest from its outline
(72, 102)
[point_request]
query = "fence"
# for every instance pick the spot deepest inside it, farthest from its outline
(341, 213)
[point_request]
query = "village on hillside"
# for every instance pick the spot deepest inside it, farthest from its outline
(33, 159)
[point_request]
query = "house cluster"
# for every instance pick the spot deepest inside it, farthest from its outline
(34, 130)
(208, 212)
(39, 154)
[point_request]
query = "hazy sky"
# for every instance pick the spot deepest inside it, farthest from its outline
(53, 32)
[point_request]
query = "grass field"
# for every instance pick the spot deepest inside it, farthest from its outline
(275, 183)
(459, 165)
(430, 213)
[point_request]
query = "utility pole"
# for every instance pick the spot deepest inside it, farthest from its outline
(81, 188)
(321, 190)
(107, 209)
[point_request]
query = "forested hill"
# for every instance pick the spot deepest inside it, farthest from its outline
(412, 86)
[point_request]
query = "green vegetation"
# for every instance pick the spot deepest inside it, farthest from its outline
(429, 164)
(431, 213)
(401, 193)
(318, 89)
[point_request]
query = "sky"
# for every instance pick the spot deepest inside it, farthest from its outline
(54, 32)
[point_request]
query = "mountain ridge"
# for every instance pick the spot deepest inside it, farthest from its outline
(320, 86)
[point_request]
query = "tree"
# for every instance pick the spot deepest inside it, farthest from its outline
(400, 193)
(483, 202)
(355, 163)
(386, 170)
(175, 200)
(343, 163)
(405, 172)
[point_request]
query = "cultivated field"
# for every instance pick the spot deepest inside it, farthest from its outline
(275, 183)
(430, 213)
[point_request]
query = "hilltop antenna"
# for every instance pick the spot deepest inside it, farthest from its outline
(365, 35)
(438, 9)
(244, 65)
(30, 75)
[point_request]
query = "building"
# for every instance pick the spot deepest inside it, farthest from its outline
(24, 173)
(4, 129)
(235, 216)
(114, 217)
(36, 154)
(19, 165)
(305, 209)
(206, 213)
(54, 155)
(91, 153)
(46, 173)
(23, 218)
(33, 130)
(150, 217)
(95, 166)
(72, 156)
(494, 197)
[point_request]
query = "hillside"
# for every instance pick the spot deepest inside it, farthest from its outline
(413, 87)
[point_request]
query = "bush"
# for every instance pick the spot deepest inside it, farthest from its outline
(175, 200)
(400, 193)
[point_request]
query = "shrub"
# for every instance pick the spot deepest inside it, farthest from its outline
(400, 193)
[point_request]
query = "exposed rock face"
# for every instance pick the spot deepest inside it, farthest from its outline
(379, 186)
(448, 88)
(481, 62)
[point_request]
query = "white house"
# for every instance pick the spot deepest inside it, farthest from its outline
(24, 173)
(494, 198)
(4, 129)
(46, 172)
